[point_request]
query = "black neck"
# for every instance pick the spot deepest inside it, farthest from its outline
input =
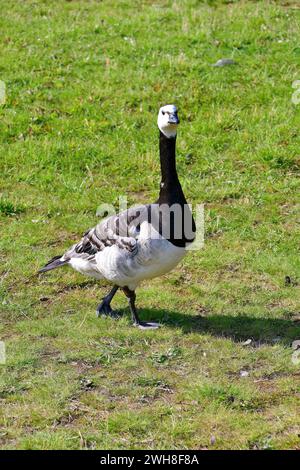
(170, 188)
(171, 193)
(167, 152)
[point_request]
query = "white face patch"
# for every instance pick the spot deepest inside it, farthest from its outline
(167, 120)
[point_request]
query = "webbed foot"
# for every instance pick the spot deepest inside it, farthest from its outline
(144, 325)
(104, 307)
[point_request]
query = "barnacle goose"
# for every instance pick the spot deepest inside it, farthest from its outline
(142, 242)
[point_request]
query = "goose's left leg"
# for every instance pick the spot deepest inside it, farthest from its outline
(104, 308)
(130, 294)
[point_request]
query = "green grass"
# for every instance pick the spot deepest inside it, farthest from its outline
(84, 82)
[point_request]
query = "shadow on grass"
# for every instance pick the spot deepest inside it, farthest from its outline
(238, 328)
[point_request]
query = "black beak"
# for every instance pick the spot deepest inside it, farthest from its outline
(173, 118)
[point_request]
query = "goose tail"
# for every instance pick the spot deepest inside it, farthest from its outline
(54, 263)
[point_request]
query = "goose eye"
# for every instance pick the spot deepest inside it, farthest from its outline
(163, 113)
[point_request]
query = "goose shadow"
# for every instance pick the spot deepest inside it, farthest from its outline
(236, 327)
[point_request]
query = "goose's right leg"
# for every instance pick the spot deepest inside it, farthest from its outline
(104, 308)
(143, 325)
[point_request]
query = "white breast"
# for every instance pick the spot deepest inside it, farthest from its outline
(155, 256)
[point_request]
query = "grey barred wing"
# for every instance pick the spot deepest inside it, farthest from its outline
(126, 224)
(121, 230)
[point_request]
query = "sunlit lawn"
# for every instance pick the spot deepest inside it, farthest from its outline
(84, 82)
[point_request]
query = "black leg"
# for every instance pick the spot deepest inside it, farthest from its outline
(104, 308)
(130, 294)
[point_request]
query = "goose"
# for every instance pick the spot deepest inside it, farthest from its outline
(141, 242)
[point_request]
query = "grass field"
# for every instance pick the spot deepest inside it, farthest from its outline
(84, 81)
